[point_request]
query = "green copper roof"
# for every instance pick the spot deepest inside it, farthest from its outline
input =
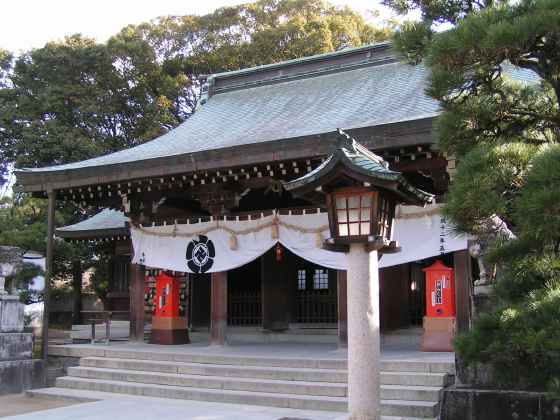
(366, 166)
(378, 90)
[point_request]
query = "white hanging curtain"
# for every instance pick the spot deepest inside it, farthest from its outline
(422, 233)
(222, 245)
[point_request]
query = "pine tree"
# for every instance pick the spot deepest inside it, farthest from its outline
(495, 69)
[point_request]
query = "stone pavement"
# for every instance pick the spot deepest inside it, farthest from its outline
(125, 407)
(14, 404)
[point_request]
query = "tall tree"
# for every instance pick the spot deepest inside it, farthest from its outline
(78, 98)
(5, 155)
(495, 68)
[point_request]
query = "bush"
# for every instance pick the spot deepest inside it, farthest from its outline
(521, 337)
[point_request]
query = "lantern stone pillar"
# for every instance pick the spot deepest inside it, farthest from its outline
(341, 289)
(363, 334)
(361, 194)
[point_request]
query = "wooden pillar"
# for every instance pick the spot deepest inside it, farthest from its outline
(218, 308)
(275, 290)
(77, 273)
(463, 288)
(48, 273)
(342, 309)
(137, 290)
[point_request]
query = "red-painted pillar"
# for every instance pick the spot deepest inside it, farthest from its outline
(342, 309)
(218, 310)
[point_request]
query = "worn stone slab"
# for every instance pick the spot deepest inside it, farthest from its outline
(305, 402)
(15, 376)
(11, 314)
(15, 346)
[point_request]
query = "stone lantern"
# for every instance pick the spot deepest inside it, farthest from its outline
(360, 193)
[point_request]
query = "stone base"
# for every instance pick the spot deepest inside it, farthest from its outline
(20, 375)
(11, 314)
(488, 404)
(169, 337)
(438, 334)
(482, 303)
(168, 323)
(15, 346)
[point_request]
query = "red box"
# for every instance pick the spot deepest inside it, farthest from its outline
(440, 291)
(167, 301)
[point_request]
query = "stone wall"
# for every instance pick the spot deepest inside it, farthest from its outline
(487, 404)
(18, 372)
(20, 375)
(58, 366)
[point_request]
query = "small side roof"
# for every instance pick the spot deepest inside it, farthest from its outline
(106, 223)
(362, 164)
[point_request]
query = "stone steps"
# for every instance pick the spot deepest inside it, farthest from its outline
(390, 392)
(81, 396)
(410, 389)
(398, 408)
(259, 372)
(264, 361)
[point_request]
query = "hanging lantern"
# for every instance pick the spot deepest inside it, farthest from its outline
(233, 242)
(356, 214)
(279, 252)
(360, 193)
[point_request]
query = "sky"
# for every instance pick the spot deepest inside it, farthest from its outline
(26, 24)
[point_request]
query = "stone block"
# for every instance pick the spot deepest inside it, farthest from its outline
(15, 346)
(15, 376)
(446, 324)
(11, 314)
(494, 404)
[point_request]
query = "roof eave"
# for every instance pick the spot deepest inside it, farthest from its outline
(374, 137)
(92, 233)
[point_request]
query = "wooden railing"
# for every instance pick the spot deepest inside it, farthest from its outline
(317, 306)
(244, 308)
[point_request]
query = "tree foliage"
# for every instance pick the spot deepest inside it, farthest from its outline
(77, 98)
(495, 69)
(23, 222)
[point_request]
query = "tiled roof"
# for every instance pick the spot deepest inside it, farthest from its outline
(381, 92)
(105, 221)
(308, 96)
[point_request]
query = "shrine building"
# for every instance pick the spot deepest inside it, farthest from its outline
(205, 205)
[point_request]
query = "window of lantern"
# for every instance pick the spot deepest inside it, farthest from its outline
(354, 212)
(385, 215)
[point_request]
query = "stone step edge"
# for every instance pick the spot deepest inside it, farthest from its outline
(333, 385)
(177, 365)
(79, 395)
(178, 357)
(211, 377)
(340, 400)
(431, 366)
